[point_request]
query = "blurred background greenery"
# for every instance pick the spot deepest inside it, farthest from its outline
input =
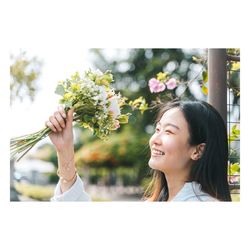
(116, 169)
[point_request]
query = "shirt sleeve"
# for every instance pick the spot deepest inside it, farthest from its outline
(75, 193)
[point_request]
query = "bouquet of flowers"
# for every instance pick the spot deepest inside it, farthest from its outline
(96, 107)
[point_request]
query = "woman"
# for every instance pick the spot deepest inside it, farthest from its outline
(189, 155)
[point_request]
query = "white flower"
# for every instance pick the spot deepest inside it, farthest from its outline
(114, 106)
(103, 94)
(98, 72)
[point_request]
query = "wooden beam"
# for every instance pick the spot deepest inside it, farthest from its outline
(217, 80)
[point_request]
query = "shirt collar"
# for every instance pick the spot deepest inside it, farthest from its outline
(190, 189)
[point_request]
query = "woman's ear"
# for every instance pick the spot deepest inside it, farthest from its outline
(198, 151)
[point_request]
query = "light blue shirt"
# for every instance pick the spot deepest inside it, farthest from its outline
(75, 193)
(191, 191)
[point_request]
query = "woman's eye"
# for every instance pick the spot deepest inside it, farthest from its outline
(168, 132)
(157, 129)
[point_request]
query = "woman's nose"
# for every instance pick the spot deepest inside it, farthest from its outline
(156, 138)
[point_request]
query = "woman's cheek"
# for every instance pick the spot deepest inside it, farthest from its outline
(170, 145)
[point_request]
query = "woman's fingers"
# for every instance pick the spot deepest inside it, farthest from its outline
(51, 126)
(62, 112)
(58, 122)
(55, 123)
(59, 119)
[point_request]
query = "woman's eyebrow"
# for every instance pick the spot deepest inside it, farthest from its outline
(168, 124)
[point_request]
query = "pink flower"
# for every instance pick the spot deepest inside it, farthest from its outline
(156, 86)
(234, 179)
(116, 124)
(171, 83)
(114, 106)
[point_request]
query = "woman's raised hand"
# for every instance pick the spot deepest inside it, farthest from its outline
(61, 125)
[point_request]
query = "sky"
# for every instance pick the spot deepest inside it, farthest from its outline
(58, 64)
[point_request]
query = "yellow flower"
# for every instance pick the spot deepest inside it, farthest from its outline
(122, 101)
(123, 119)
(162, 76)
(67, 96)
(75, 87)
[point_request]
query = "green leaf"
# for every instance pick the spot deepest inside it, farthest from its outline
(87, 118)
(204, 89)
(194, 58)
(235, 131)
(234, 168)
(123, 119)
(205, 76)
(85, 125)
(76, 76)
(235, 66)
(231, 138)
(235, 134)
(60, 90)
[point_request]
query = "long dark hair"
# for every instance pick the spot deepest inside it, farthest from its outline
(205, 126)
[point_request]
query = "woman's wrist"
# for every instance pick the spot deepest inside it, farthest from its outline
(65, 177)
(65, 150)
(66, 167)
(69, 147)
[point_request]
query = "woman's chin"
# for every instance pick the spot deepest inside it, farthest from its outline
(152, 163)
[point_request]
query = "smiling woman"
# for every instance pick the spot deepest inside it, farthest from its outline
(188, 154)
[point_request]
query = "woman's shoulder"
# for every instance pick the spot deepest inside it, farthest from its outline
(191, 191)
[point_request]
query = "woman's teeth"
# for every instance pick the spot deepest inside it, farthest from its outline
(157, 152)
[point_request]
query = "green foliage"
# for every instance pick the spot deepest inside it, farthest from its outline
(125, 149)
(233, 70)
(234, 165)
(24, 73)
(233, 51)
(234, 168)
(204, 89)
(41, 193)
(235, 197)
(140, 104)
(104, 175)
(205, 76)
(53, 177)
(233, 80)
(234, 135)
(133, 68)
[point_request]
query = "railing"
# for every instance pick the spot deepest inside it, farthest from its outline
(223, 94)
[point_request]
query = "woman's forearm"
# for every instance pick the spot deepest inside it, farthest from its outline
(66, 168)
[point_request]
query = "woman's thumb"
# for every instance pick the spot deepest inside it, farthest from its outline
(70, 117)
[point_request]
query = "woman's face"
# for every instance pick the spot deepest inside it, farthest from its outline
(170, 150)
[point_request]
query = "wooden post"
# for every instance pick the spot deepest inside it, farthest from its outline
(217, 80)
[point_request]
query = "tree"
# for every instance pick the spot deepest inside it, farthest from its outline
(133, 68)
(24, 73)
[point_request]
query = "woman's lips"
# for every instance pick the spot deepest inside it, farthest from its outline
(157, 152)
